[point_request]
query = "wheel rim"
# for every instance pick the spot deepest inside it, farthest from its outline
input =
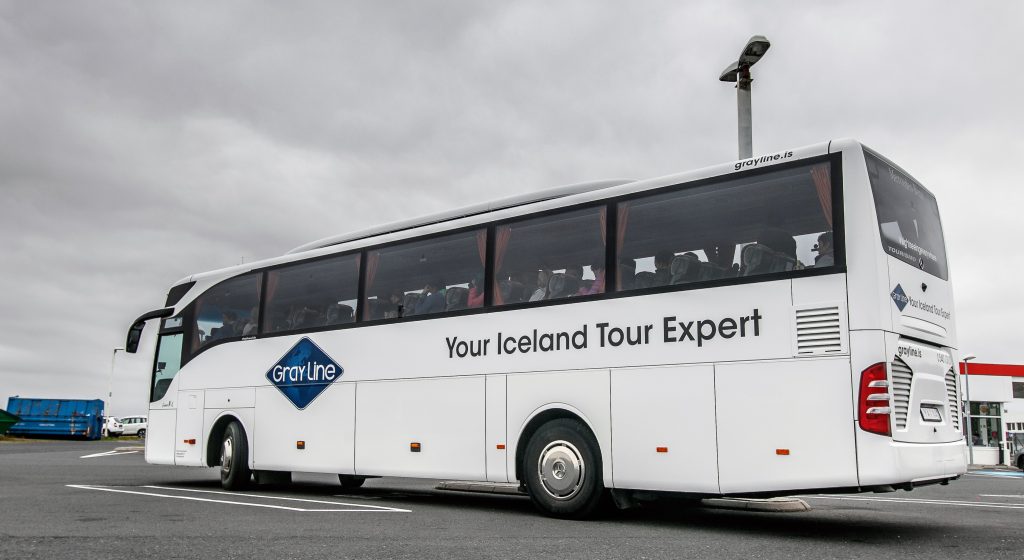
(226, 453)
(561, 470)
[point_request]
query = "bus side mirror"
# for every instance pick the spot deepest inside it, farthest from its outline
(131, 345)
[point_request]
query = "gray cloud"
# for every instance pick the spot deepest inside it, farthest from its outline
(143, 143)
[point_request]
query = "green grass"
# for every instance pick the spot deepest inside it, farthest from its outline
(14, 439)
(17, 439)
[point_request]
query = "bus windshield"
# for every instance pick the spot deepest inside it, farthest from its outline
(908, 217)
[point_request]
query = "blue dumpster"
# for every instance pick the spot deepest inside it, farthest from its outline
(57, 417)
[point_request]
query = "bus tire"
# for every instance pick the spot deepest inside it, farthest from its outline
(234, 458)
(562, 467)
(351, 481)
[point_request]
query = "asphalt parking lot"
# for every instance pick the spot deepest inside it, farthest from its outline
(100, 500)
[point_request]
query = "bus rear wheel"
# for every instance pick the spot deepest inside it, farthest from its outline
(562, 467)
(351, 481)
(234, 458)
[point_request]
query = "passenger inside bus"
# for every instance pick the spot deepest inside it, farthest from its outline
(543, 277)
(597, 285)
(455, 298)
(392, 308)
(227, 326)
(249, 329)
(662, 268)
(339, 314)
(475, 297)
(433, 300)
(824, 249)
(562, 285)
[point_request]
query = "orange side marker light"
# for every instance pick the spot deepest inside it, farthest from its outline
(661, 449)
(782, 452)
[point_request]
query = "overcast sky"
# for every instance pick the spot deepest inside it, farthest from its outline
(142, 142)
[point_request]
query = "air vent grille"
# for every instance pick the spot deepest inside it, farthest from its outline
(818, 331)
(902, 378)
(954, 401)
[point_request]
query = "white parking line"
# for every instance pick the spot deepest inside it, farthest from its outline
(382, 508)
(360, 507)
(995, 505)
(107, 454)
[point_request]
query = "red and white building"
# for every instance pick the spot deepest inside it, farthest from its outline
(996, 394)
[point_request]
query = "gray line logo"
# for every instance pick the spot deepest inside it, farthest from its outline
(899, 297)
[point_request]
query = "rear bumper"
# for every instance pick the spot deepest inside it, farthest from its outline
(899, 463)
(928, 461)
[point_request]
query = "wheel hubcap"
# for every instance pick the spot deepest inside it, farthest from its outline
(226, 453)
(561, 469)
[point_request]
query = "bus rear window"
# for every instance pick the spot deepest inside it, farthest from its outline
(908, 217)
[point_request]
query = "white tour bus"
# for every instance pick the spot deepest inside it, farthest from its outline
(772, 326)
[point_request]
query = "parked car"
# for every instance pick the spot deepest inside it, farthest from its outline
(112, 427)
(134, 425)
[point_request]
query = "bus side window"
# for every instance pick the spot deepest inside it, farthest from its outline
(426, 277)
(311, 294)
(226, 310)
(773, 222)
(551, 257)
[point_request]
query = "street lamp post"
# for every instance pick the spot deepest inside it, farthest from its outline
(110, 381)
(967, 387)
(739, 72)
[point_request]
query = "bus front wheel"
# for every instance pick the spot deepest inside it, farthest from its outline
(234, 458)
(562, 467)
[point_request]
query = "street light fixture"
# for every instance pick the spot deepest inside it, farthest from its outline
(967, 385)
(739, 72)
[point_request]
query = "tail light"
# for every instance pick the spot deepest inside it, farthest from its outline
(873, 402)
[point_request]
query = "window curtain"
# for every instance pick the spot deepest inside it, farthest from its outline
(372, 263)
(273, 279)
(502, 236)
(622, 217)
(822, 177)
(481, 246)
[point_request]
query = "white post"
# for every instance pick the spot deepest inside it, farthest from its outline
(970, 437)
(110, 382)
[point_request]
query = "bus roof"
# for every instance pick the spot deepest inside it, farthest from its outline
(465, 211)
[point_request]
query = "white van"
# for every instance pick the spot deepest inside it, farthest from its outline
(134, 426)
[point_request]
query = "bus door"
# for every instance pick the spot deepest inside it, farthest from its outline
(163, 402)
